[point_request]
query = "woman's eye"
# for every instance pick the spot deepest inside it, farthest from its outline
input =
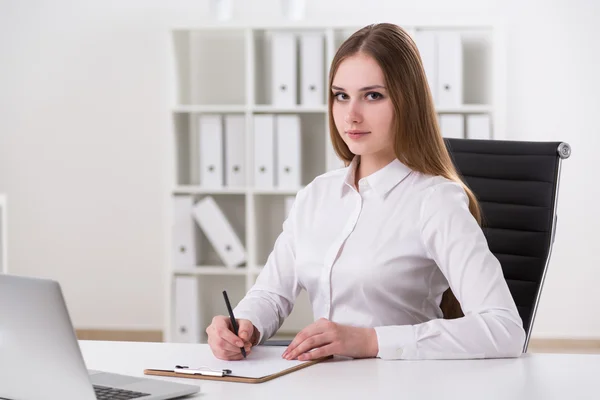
(340, 96)
(374, 96)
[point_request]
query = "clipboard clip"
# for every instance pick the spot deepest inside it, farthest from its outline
(184, 369)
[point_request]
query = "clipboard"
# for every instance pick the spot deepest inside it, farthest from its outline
(225, 375)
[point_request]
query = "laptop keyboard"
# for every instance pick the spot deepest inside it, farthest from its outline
(108, 393)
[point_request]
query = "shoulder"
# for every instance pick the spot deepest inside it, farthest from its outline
(437, 192)
(435, 185)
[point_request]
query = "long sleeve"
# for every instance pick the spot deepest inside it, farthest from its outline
(491, 327)
(272, 297)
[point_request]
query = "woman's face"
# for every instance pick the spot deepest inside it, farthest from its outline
(362, 109)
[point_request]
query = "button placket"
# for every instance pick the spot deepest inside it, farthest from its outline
(333, 254)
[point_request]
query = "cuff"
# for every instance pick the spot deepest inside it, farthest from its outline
(396, 342)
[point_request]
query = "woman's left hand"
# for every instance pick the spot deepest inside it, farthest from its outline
(326, 338)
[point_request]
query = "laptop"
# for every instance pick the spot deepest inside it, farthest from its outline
(40, 357)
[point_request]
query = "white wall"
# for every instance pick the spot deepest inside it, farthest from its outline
(554, 94)
(84, 122)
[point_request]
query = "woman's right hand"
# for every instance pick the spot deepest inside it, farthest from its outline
(224, 344)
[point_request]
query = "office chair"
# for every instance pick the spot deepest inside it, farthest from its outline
(516, 184)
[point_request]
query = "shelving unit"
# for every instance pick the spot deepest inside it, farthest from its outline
(3, 234)
(225, 70)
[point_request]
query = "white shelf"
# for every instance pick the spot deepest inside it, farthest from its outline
(465, 109)
(209, 108)
(257, 214)
(296, 109)
(209, 270)
(191, 189)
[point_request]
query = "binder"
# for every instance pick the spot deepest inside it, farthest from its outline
(187, 310)
(312, 69)
(283, 67)
(288, 151)
(235, 159)
(452, 126)
(427, 44)
(185, 252)
(264, 151)
(219, 232)
(211, 150)
(263, 364)
(478, 126)
(450, 69)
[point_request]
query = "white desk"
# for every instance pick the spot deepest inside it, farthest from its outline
(531, 377)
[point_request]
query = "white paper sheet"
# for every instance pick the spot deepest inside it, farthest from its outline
(262, 361)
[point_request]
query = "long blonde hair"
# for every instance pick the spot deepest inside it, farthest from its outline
(418, 141)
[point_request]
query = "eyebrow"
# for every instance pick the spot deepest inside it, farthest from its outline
(362, 89)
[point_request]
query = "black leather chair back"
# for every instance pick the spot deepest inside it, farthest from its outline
(516, 184)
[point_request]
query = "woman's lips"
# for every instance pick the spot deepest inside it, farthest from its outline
(356, 134)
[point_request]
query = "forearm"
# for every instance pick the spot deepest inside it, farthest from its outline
(265, 310)
(485, 335)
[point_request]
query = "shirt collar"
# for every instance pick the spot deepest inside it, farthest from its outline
(381, 181)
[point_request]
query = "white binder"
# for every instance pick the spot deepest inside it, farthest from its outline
(264, 151)
(219, 232)
(452, 126)
(235, 159)
(289, 150)
(478, 126)
(312, 69)
(450, 69)
(187, 310)
(426, 42)
(283, 67)
(211, 150)
(185, 252)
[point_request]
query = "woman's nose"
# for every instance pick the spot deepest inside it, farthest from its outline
(353, 116)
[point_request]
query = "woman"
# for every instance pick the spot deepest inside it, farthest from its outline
(378, 243)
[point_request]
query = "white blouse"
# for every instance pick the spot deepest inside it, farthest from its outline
(382, 257)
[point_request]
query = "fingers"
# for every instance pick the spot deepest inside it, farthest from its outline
(245, 329)
(223, 342)
(312, 342)
(313, 329)
(225, 351)
(223, 330)
(232, 356)
(323, 351)
(224, 345)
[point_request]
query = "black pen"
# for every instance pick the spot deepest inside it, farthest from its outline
(233, 321)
